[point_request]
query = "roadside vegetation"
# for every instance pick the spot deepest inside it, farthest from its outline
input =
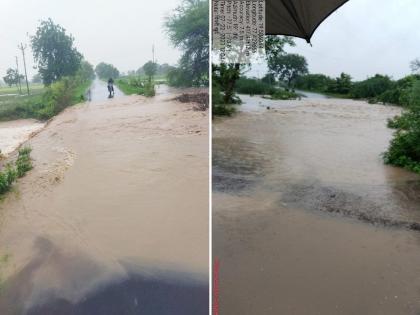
(188, 30)
(404, 149)
(12, 171)
(229, 79)
(64, 74)
(143, 80)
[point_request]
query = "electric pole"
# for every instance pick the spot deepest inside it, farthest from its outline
(18, 74)
(24, 64)
(153, 53)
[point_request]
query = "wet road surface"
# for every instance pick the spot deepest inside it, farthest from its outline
(114, 215)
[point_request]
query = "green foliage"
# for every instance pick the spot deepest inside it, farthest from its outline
(136, 85)
(188, 30)
(372, 87)
(285, 67)
(12, 77)
(23, 162)
(86, 71)
(404, 149)
(149, 89)
(11, 172)
(54, 98)
(275, 46)
(36, 78)
(314, 82)
(224, 78)
(106, 71)
(284, 94)
(253, 86)
(288, 67)
(54, 52)
(341, 85)
(150, 69)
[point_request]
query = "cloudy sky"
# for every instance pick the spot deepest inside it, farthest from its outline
(365, 37)
(119, 32)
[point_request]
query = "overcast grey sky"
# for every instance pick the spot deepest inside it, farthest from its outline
(119, 32)
(364, 37)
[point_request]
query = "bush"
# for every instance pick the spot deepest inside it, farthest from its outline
(372, 87)
(149, 89)
(281, 94)
(404, 149)
(22, 165)
(136, 85)
(253, 87)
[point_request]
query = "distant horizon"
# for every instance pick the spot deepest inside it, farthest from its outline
(102, 33)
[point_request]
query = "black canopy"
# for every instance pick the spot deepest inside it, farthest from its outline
(299, 18)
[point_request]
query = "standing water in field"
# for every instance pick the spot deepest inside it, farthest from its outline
(306, 211)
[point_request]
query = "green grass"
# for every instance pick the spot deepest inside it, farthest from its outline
(43, 103)
(138, 85)
(34, 88)
(13, 171)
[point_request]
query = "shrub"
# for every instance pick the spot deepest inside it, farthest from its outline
(404, 149)
(23, 162)
(253, 87)
(372, 87)
(282, 94)
(11, 172)
(149, 89)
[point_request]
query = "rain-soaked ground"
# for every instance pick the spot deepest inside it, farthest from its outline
(113, 219)
(307, 219)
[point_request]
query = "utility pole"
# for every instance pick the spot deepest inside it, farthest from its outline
(24, 65)
(153, 53)
(17, 70)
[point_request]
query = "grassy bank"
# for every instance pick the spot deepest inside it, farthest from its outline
(12, 171)
(46, 102)
(249, 86)
(138, 85)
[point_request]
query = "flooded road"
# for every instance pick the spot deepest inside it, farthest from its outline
(114, 215)
(307, 219)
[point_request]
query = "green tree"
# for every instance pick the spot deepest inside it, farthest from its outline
(415, 65)
(314, 82)
(12, 77)
(275, 45)
(106, 71)
(36, 78)
(288, 67)
(86, 71)
(188, 30)
(54, 52)
(341, 85)
(150, 69)
(372, 87)
(224, 77)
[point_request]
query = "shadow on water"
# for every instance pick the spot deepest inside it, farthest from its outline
(237, 165)
(65, 288)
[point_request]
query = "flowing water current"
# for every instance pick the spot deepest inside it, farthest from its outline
(307, 218)
(113, 218)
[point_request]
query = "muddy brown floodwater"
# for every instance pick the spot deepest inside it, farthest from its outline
(113, 219)
(306, 217)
